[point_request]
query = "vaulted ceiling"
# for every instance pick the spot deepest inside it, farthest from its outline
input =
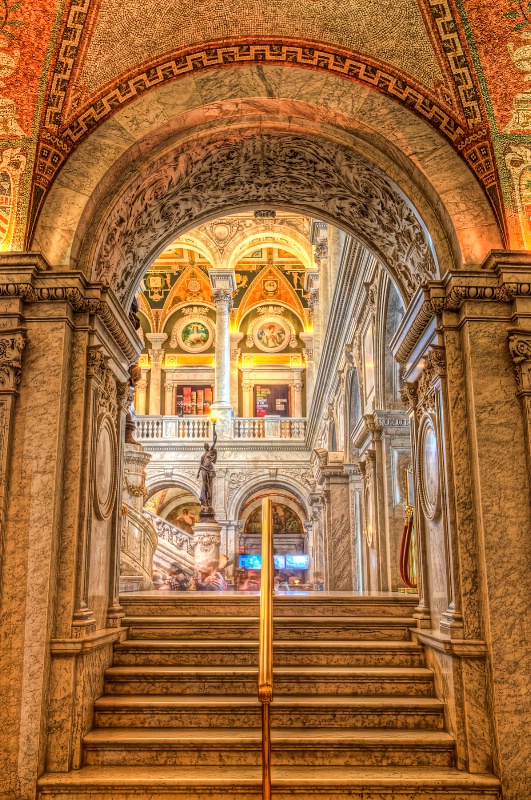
(67, 66)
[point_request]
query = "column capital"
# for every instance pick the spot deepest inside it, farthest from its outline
(157, 340)
(222, 297)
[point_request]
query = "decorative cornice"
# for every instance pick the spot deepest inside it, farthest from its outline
(78, 301)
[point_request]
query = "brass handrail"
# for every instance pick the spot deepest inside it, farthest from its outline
(265, 658)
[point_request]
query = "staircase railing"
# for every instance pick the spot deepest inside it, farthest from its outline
(265, 658)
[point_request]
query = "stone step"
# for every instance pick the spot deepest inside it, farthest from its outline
(167, 680)
(148, 711)
(285, 653)
(292, 628)
(238, 604)
(294, 746)
(240, 783)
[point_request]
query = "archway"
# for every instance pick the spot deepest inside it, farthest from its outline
(257, 156)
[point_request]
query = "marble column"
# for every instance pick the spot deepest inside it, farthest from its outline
(141, 393)
(317, 552)
(156, 355)
(62, 514)
(355, 481)
(223, 301)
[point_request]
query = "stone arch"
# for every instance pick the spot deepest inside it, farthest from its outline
(156, 482)
(188, 184)
(260, 482)
(298, 243)
(281, 496)
(454, 208)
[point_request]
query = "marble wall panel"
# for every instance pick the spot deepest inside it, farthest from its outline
(29, 579)
(503, 517)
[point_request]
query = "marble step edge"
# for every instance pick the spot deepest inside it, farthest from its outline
(254, 620)
(168, 672)
(234, 702)
(161, 778)
(250, 738)
(224, 644)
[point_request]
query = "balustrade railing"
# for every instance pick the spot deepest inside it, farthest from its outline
(250, 428)
(173, 428)
(269, 427)
(171, 533)
(200, 428)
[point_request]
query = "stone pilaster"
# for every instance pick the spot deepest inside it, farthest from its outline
(156, 355)
(62, 514)
(338, 549)
(459, 342)
(141, 393)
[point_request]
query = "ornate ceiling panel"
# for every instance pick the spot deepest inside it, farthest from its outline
(133, 33)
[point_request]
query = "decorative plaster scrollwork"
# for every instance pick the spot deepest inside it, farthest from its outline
(133, 489)
(11, 348)
(206, 541)
(270, 310)
(278, 168)
(520, 349)
(435, 366)
(237, 480)
(194, 311)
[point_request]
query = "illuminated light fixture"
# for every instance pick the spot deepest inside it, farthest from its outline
(213, 416)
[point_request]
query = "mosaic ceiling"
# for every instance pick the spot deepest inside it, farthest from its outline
(461, 66)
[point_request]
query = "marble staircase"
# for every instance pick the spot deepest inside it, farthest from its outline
(354, 713)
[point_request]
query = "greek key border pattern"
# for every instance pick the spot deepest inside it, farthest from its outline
(64, 64)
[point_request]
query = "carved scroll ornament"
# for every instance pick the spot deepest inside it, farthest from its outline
(11, 347)
(192, 180)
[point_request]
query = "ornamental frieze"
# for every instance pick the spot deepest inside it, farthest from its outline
(283, 169)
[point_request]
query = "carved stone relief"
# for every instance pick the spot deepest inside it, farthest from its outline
(105, 468)
(428, 468)
(192, 181)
